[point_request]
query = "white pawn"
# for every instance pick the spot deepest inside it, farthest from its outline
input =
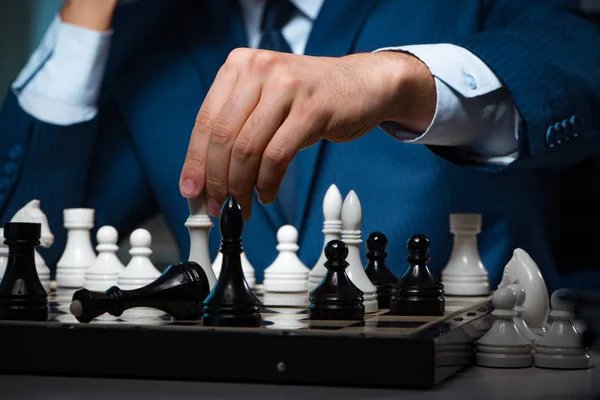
(3, 254)
(465, 275)
(503, 346)
(79, 253)
(107, 267)
(332, 228)
(287, 273)
(520, 310)
(199, 225)
(561, 347)
(247, 268)
(140, 271)
(351, 235)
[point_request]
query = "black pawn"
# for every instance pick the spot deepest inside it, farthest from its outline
(383, 279)
(22, 296)
(336, 297)
(179, 291)
(418, 292)
(231, 302)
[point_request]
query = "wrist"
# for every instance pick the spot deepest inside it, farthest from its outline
(410, 90)
(91, 14)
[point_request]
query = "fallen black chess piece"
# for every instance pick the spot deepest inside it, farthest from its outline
(179, 291)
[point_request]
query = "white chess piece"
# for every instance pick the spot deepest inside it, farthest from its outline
(522, 270)
(519, 309)
(351, 235)
(332, 228)
(32, 212)
(3, 254)
(105, 270)
(247, 268)
(503, 346)
(199, 225)
(287, 273)
(561, 347)
(139, 271)
(465, 275)
(79, 253)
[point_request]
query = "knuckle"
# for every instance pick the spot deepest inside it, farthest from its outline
(277, 157)
(216, 187)
(237, 57)
(221, 132)
(245, 147)
(287, 81)
(260, 59)
(195, 160)
(203, 120)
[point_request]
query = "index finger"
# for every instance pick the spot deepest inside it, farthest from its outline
(193, 174)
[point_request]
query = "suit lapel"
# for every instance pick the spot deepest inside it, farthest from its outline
(213, 29)
(333, 34)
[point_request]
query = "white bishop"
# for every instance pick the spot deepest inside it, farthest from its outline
(107, 267)
(140, 271)
(3, 254)
(351, 235)
(287, 273)
(332, 228)
(199, 225)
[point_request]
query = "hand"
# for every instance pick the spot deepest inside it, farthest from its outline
(90, 14)
(264, 106)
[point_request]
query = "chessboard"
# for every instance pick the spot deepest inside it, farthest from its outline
(382, 351)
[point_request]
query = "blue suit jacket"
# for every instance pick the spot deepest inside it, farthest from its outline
(126, 162)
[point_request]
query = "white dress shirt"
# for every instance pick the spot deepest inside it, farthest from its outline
(61, 82)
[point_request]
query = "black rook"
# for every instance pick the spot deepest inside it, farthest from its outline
(22, 296)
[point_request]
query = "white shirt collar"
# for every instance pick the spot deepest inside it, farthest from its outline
(310, 8)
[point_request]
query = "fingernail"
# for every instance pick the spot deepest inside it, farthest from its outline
(213, 208)
(188, 189)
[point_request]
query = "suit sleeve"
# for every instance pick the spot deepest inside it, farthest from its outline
(547, 54)
(82, 165)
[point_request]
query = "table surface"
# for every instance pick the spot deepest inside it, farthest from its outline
(472, 383)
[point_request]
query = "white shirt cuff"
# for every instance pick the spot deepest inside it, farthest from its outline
(474, 112)
(62, 80)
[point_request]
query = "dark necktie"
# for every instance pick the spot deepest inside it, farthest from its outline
(276, 15)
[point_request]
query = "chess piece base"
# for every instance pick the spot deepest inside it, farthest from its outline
(481, 288)
(504, 358)
(14, 309)
(337, 312)
(413, 305)
(240, 317)
(562, 361)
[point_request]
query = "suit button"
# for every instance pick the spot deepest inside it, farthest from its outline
(9, 168)
(558, 133)
(470, 81)
(567, 129)
(550, 136)
(15, 152)
(574, 122)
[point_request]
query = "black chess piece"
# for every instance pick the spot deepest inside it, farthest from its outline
(22, 296)
(418, 292)
(336, 297)
(179, 291)
(231, 301)
(383, 279)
